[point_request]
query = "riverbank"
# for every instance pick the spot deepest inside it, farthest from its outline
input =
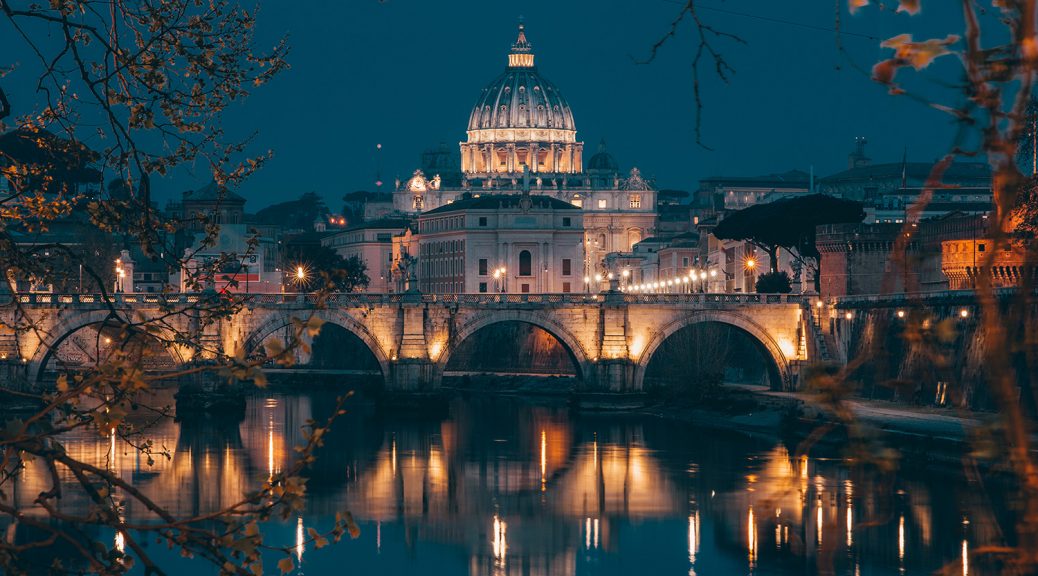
(920, 434)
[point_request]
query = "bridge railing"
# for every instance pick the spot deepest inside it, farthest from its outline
(937, 297)
(365, 299)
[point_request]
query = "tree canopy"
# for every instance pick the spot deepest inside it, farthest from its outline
(788, 223)
(299, 213)
(337, 273)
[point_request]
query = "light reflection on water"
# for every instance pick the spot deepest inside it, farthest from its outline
(505, 487)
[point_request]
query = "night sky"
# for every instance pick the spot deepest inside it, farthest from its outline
(405, 73)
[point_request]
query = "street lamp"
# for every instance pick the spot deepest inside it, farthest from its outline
(499, 278)
(750, 263)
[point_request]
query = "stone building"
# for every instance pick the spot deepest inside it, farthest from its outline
(372, 243)
(941, 254)
(500, 243)
(247, 268)
(881, 184)
(521, 134)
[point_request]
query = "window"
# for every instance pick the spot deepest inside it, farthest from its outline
(636, 200)
(482, 266)
(482, 286)
(526, 289)
(383, 237)
(482, 220)
(567, 221)
(981, 247)
(577, 201)
(565, 287)
(417, 202)
(602, 203)
(525, 263)
(684, 262)
(567, 266)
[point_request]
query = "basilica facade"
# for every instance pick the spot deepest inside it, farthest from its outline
(521, 140)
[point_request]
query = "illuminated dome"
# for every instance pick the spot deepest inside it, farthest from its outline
(521, 119)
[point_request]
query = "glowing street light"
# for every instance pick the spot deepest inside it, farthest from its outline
(965, 313)
(750, 263)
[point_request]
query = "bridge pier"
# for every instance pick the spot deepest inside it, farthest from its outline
(412, 375)
(613, 375)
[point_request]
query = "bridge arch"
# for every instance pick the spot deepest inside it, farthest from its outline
(69, 325)
(734, 319)
(540, 320)
(281, 320)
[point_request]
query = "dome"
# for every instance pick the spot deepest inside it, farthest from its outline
(603, 161)
(521, 98)
(521, 122)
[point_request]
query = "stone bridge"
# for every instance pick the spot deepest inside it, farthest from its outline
(611, 336)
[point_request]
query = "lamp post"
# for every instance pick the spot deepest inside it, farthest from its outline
(499, 279)
(750, 264)
(119, 274)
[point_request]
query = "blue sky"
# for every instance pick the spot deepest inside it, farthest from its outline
(405, 73)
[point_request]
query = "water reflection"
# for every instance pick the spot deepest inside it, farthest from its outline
(502, 487)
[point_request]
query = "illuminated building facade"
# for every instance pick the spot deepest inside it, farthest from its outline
(521, 135)
(501, 243)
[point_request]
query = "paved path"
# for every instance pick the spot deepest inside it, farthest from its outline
(945, 423)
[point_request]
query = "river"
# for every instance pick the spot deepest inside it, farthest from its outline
(498, 485)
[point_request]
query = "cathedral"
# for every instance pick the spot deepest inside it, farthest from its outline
(521, 140)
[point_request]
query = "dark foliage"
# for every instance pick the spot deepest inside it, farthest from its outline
(788, 223)
(338, 273)
(774, 283)
(294, 214)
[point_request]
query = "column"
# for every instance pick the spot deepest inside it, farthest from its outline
(545, 263)
(554, 268)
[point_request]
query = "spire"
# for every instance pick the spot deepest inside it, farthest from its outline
(521, 55)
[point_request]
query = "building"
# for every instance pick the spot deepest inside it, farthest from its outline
(720, 193)
(874, 183)
(501, 243)
(521, 134)
(903, 204)
(231, 263)
(372, 243)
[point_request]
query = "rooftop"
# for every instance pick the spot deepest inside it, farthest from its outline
(911, 170)
(501, 202)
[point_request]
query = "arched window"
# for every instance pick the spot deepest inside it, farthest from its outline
(525, 263)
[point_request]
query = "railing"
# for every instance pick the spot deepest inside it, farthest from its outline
(364, 299)
(951, 297)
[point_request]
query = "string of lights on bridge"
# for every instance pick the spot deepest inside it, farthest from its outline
(681, 283)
